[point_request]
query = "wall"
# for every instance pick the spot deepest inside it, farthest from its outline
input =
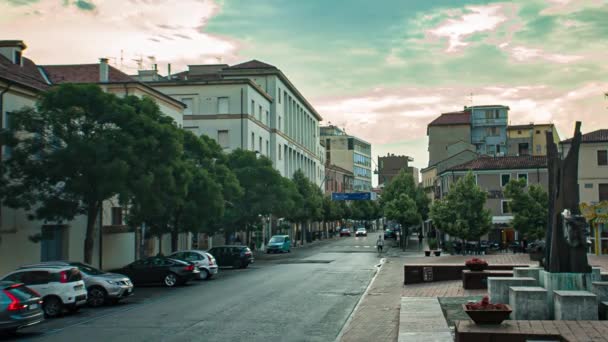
(590, 174)
(442, 136)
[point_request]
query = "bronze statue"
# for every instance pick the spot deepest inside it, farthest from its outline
(565, 237)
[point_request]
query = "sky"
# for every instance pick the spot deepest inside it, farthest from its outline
(382, 70)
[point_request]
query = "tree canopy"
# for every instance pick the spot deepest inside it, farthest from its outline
(530, 208)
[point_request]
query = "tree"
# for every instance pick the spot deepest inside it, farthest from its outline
(403, 210)
(462, 213)
(311, 206)
(530, 208)
(69, 155)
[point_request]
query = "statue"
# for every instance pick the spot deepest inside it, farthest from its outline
(565, 237)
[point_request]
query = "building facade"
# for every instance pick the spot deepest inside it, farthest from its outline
(252, 106)
(492, 174)
(529, 140)
(446, 130)
(489, 129)
(390, 165)
(338, 179)
(350, 153)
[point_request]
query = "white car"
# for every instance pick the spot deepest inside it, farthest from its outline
(361, 232)
(60, 287)
(204, 261)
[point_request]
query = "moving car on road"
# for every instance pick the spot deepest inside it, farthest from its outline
(389, 234)
(20, 307)
(235, 256)
(61, 287)
(102, 287)
(160, 270)
(361, 232)
(205, 262)
(279, 244)
(344, 232)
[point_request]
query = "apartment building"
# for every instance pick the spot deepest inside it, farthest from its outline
(489, 129)
(350, 153)
(391, 165)
(530, 139)
(448, 129)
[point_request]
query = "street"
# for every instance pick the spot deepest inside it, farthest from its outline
(306, 295)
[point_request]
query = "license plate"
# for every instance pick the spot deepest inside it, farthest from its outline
(129, 290)
(33, 306)
(78, 287)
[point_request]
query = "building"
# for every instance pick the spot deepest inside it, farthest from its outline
(252, 106)
(492, 174)
(446, 130)
(350, 153)
(338, 179)
(529, 140)
(593, 181)
(489, 129)
(430, 182)
(391, 165)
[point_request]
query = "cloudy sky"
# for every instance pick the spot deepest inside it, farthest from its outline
(381, 69)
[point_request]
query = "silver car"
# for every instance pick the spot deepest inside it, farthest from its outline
(102, 287)
(204, 261)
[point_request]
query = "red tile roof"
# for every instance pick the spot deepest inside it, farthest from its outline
(83, 73)
(27, 75)
(453, 118)
(252, 64)
(601, 135)
(502, 163)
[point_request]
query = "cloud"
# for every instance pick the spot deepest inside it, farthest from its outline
(522, 54)
(21, 2)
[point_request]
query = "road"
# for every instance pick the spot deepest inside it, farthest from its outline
(306, 295)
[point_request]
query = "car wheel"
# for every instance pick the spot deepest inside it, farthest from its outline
(170, 280)
(289, 251)
(96, 296)
(204, 274)
(245, 265)
(52, 307)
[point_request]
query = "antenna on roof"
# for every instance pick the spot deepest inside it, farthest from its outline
(471, 99)
(122, 52)
(140, 62)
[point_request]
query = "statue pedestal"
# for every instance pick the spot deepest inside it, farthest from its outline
(564, 282)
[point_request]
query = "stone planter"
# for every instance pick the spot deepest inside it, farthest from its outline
(477, 267)
(427, 253)
(484, 317)
(537, 256)
(437, 253)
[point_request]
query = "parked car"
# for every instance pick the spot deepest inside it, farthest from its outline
(235, 256)
(20, 306)
(205, 262)
(390, 234)
(61, 287)
(102, 287)
(160, 270)
(279, 243)
(344, 232)
(361, 232)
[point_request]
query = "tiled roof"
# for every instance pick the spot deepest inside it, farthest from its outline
(453, 118)
(83, 73)
(252, 64)
(601, 135)
(27, 75)
(502, 163)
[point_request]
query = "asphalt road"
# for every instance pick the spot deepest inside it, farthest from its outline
(306, 295)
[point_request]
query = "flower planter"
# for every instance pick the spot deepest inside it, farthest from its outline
(427, 253)
(477, 268)
(437, 253)
(488, 316)
(476, 264)
(537, 256)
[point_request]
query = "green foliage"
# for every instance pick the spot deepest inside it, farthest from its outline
(310, 207)
(432, 243)
(530, 208)
(404, 183)
(403, 210)
(462, 213)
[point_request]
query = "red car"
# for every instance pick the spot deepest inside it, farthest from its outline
(344, 232)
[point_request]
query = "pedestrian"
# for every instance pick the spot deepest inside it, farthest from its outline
(420, 237)
(380, 243)
(238, 240)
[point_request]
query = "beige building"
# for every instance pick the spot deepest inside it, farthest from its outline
(446, 130)
(529, 140)
(492, 174)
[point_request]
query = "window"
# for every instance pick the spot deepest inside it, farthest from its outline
(280, 156)
(602, 157)
(267, 119)
(260, 144)
(497, 113)
(189, 102)
(537, 132)
(260, 113)
(603, 192)
(279, 126)
(523, 149)
(252, 108)
(267, 148)
(504, 179)
(523, 176)
(222, 105)
(117, 216)
(18, 57)
(505, 207)
(538, 149)
(588, 185)
(253, 141)
(518, 132)
(223, 139)
(279, 95)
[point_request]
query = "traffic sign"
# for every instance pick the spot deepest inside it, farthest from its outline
(353, 196)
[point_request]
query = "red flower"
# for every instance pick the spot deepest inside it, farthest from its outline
(484, 304)
(476, 261)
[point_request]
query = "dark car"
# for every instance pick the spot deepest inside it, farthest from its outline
(20, 307)
(390, 234)
(159, 270)
(235, 256)
(344, 232)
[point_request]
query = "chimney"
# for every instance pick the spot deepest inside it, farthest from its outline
(12, 50)
(103, 70)
(169, 71)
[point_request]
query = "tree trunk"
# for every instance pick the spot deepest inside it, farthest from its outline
(174, 239)
(89, 240)
(160, 245)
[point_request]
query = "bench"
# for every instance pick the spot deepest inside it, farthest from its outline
(420, 273)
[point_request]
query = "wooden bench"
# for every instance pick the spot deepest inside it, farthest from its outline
(522, 331)
(472, 280)
(420, 273)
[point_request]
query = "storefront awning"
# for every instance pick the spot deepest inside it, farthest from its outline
(603, 220)
(501, 219)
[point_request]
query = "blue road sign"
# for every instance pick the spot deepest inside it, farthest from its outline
(353, 196)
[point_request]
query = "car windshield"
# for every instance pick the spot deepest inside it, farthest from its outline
(360, 229)
(86, 269)
(277, 239)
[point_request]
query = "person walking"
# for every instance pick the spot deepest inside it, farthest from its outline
(380, 243)
(420, 237)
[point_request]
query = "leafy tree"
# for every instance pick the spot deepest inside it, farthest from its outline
(311, 206)
(403, 210)
(69, 155)
(404, 183)
(462, 213)
(530, 208)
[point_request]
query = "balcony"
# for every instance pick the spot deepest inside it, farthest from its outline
(488, 122)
